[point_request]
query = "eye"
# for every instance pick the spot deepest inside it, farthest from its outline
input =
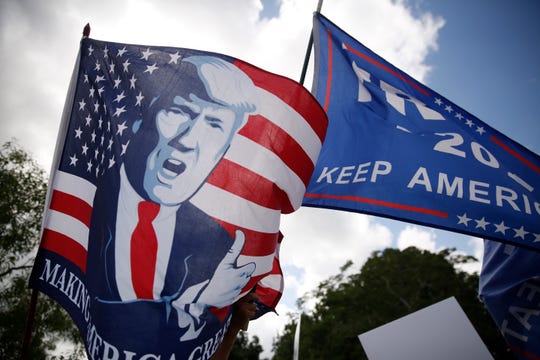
(184, 110)
(214, 122)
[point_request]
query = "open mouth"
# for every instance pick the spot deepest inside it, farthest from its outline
(174, 167)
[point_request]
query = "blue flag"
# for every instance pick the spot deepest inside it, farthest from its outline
(396, 148)
(510, 289)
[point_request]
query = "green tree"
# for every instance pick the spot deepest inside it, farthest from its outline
(391, 284)
(22, 196)
(245, 348)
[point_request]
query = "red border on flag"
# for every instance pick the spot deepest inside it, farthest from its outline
(380, 203)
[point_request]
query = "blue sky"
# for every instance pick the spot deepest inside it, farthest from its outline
(484, 55)
(488, 62)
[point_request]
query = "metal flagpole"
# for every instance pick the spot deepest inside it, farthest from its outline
(308, 51)
(296, 348)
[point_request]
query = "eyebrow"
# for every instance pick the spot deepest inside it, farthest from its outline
(213, 118)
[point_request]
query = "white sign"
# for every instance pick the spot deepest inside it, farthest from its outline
(441, 331)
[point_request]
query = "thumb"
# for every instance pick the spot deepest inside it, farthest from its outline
(236, 248)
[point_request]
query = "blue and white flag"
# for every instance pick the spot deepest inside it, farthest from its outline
(396, 148)
(510, 289)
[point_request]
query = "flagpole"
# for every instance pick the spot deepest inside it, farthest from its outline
(25, 351)
(296, 348)
(308, 51)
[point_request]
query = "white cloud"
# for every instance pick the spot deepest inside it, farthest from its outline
(421, 238)
(320, 241)
(477, 250)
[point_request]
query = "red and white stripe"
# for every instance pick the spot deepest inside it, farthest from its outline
(265, 173)
(67, 221)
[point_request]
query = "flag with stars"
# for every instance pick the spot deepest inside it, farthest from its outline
(137, 120)
(396, 148)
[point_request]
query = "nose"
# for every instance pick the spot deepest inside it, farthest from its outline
(187, 138)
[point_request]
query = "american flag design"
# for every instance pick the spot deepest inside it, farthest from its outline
(263, 174)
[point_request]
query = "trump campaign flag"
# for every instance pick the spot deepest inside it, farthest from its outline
(171, 171)
(398, 149)
(510, 289)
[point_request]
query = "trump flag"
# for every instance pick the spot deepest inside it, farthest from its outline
(396, 148)
(171, 171)
(510, 289)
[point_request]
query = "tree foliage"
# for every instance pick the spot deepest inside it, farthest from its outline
(22, 196)
(245, 348)
(390, 285)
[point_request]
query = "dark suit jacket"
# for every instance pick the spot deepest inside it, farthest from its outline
(199, 244)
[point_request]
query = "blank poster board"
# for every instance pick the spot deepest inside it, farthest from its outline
(441, 331)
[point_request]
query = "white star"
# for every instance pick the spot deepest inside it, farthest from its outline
(82, 104)
(482, 223)
(100, 122)
(78, 133)
(121, 128)
(117, 83)
(96, 154)
(438, 101)
(93, 135)
(89, 166)
(100, 78)
(124, 148)
(111, 162)
(459, 116)
(463, 219)
(480, 130)
(132, 82)
(176, 56)
(86, 78)
(96, 107)
(126, 64)
(119, 111)
(139, 98)
(521, 232)
(111, 68)
(121, 52)
(90, 50)
(536, 237)
(73, 160)
(92, 92)
(98, 66)
(88, 119)
(84, 149)
(501, 228)
(151, 68)
(108, 127)
(119, 97)
(102, 140)
(146, 54)
(448, 108)
(469, 123)
(111, 142)
(106, 52)
(100, 90)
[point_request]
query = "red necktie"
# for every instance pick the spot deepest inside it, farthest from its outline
(144, 251)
